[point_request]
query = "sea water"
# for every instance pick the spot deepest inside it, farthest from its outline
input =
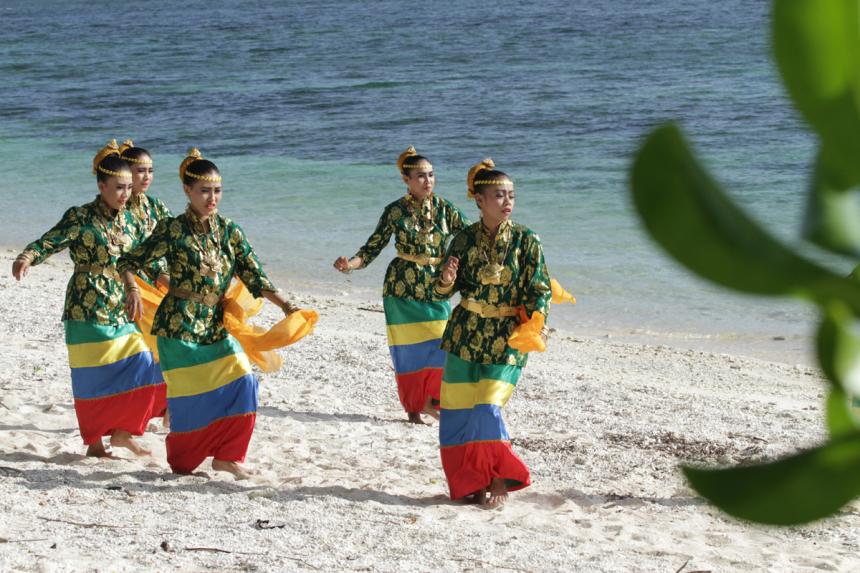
(305, 106)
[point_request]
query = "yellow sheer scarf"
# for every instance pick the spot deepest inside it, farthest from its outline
(239, 305)
(526, 337)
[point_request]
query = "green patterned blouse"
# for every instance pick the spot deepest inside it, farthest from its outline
(521, 278)
(202, 262)
(419, 230)
(95, 236)
(147, 212)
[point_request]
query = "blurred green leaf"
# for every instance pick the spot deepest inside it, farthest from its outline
(688, 214)
(831, 215)
(817, 48)
(794, 490)
(839, 348)
(840, 421)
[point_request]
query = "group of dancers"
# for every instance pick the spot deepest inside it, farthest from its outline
(154, 327)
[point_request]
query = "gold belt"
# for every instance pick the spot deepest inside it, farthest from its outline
(488, 310)
(210, 299)
(422, 260)
(109, 272)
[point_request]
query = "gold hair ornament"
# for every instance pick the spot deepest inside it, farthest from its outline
(120, 174)
(110, 149)
(422, 165)
(494, 182)
(137, 161)
(211, 178)
(410, 151)
(485, 165)
(192, 156)
(129, 144)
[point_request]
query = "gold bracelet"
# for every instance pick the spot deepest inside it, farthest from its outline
(289, 308)
(26, 257)
(442, 287)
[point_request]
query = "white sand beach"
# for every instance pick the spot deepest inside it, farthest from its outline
(346, 485)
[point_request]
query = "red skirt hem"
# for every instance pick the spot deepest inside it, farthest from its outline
(471, 467)
(128, 411)
(414, 388)
(225, 439)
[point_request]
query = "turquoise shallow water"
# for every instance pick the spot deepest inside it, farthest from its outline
(305, 106)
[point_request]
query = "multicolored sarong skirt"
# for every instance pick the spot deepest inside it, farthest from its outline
(414, 334)
(212, 400)
(474, 442)
(114, 378)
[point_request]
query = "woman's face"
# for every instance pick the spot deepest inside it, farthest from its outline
(116, 191)
(142, 175)
(204, 196)
(420, 183)
(496, 202)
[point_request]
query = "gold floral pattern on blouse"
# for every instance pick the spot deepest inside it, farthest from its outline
(522, 280)
(179, 240)
(419, 229)
(147, 212)
(95, 236)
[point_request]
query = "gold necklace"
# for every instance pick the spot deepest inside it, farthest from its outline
(423, 219)
(145, 215)
(210, 259)
(117, 240)
(494, 272)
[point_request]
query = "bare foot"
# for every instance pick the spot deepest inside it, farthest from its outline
(498, 493)
(231, 467)
(165, 421)
(97, 450)
(479, 497)
(415, 418)
(429, 409)
(123, 439)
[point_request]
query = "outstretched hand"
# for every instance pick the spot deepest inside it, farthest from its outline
(20, 268)
(345, 265)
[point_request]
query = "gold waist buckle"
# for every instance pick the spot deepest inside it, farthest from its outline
(210, 299)
(485, 310)
(109, 272)
(422, 260)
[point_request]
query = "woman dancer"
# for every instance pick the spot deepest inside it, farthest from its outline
(421, 223)
(211, 390)
(113, 374)
(498, 268)
(147, 211)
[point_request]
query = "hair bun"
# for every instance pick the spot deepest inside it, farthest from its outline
(110, 149)
(190, 157)
(485, 165)
(126, 145)
(410, 151)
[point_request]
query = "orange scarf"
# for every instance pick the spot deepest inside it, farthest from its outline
(526, 337)
(239, 305)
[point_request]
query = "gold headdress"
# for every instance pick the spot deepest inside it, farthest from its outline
(129, 144)
(110, 149)
(485, 165)
(193, 155)
(410, 152)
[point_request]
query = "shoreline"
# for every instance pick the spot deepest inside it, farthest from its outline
(791, 349)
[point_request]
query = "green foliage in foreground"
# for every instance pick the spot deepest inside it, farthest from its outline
(817, 49)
